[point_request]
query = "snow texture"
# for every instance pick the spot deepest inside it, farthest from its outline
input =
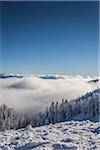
(71, 135)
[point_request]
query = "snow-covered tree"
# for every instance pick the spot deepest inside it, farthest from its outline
(89, 105)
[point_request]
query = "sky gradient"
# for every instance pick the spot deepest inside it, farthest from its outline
(49, 37)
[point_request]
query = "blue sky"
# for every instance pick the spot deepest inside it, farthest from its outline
(50, 37)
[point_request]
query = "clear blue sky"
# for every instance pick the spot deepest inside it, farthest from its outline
(50, 37)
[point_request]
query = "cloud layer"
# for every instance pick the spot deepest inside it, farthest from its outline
(35, 93)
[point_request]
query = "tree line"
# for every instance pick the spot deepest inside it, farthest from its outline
(55, 113)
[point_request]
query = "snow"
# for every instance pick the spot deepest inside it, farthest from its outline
(71, 135)
(38, 91)
(35, 92)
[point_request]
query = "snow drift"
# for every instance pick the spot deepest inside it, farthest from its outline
(71, 135)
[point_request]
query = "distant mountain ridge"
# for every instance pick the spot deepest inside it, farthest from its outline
(52, 77)
(4, 76)
(93, 81)
(46, 76)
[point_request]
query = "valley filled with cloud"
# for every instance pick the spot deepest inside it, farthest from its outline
(35, 92)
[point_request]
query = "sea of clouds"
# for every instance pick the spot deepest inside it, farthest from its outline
(33, 93)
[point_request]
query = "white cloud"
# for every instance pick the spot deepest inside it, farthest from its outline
(34, 93)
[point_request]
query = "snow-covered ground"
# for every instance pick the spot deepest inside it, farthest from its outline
(71, 135)
(35, 92)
